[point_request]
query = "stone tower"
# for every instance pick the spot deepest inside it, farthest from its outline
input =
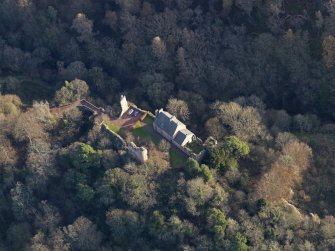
(138, 153)
(124, 105)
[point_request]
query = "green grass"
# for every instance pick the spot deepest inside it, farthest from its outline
(113, 127)
(176, 159)
(148, 120)
(143, 133)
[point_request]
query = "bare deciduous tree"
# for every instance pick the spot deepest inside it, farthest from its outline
(179, 108)
(27, 128)
(83, 234)
(83, 26)
(278, 182)
(244, 122)
(328, 45)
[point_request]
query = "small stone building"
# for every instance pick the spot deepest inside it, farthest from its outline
(172, 129)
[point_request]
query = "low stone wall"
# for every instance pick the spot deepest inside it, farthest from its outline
(141, 110)
(199, 157)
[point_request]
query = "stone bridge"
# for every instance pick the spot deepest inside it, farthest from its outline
(82, 103)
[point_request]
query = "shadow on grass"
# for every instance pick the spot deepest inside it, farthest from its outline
(177, 159)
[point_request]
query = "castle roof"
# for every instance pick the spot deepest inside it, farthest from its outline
(168, 123)
(182, 135)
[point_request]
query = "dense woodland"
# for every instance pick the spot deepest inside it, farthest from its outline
(256, 75)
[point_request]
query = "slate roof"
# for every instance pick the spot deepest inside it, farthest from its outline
(181, 135)
(167, 123)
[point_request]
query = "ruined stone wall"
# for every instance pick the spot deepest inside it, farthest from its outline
(117, 141)
(140, 154)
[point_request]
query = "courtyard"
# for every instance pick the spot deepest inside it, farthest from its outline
(139, 124)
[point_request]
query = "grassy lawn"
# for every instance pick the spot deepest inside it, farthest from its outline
(112, 127)
(143, 133)
(148, 120)
(176, 159)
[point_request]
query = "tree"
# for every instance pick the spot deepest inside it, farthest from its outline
(216, 157)
(206, 173)
(139, 192)
(47, 217)
(10, 105)
(75, 70)
(215, 129)
(58, 241)
(305, 123)
(184, 4)
(135, 190)
(22, 201)
(217, 223)
(111, 19)
(283, 138)
(85, 192)
(328, 54)
(18, 236)
(252, 101)
(13, 58)
(126, 227)
(110, 188)
(179, 230)
(195, 103)
(226, 155)
(41, 111)
(35, 131)
(300, 153)
(83, 26)
(198, 193)
(8, 154)
(72, 91)
(193, 169)
(157, 224)
(278, 121)
(227, 5)
(38, 242)
(164, 145)
(158, 90)
(179, 108)
(236, 147)
(70, 123)
(286, 171)
(83, 234)
(40, 162)
(158, 47)
(84, 158)
(239, 243)
(244, 122)
(97, 77)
